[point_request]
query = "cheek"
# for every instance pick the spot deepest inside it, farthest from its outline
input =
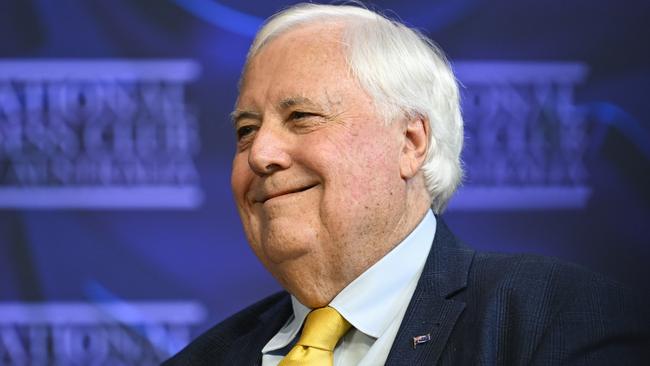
(240, 177)
(360, 170)
(364, 159)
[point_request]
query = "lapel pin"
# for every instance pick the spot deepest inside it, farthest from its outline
(421, 339)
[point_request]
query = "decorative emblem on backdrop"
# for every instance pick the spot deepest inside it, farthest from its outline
(525, 140)
(97, 134)
(80, 333)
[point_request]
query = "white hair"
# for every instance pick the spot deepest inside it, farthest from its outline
(405, 74)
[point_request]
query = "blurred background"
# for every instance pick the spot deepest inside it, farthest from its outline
(119, 238)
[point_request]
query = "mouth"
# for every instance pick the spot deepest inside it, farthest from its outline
(285, 193)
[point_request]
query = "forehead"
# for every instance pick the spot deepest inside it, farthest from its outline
(307, 61)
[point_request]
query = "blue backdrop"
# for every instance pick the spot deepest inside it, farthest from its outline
(119, 238)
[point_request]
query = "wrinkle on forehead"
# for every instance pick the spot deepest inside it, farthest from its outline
(325, 101)
(304, 65)
(326, 36)
(329, 108)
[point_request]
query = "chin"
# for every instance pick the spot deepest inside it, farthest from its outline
(282, 246)
(284, 255)
(313, 300)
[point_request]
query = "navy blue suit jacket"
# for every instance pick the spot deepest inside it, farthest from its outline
(478, 309)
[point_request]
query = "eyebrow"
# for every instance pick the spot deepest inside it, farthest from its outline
(238, 115)
(294, 101)
(284, 104)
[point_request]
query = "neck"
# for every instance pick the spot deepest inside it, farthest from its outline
(370, 250)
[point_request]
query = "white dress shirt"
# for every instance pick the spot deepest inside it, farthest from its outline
(374, 303)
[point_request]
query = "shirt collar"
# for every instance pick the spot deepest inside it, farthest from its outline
(371, 301)
(290, 329)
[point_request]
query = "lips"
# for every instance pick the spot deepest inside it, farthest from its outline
(265, 196)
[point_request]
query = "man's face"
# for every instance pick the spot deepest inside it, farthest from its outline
(316, 175)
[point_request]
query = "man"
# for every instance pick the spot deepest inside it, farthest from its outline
(349, 136)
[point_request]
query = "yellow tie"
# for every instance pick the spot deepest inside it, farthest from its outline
(322, 331)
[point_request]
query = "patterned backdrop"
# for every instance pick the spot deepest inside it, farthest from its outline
(119, 239)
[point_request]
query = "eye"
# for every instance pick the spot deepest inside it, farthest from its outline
(244, 131)
(300, 115)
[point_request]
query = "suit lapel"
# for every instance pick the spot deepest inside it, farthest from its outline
(432, 312)
(246, 349)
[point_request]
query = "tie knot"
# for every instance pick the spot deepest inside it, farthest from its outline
(323, 329)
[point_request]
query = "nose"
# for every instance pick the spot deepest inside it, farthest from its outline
(269, 152)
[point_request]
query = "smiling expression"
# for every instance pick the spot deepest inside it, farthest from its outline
(316, 175)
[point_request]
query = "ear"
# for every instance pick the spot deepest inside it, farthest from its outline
(416, 144)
